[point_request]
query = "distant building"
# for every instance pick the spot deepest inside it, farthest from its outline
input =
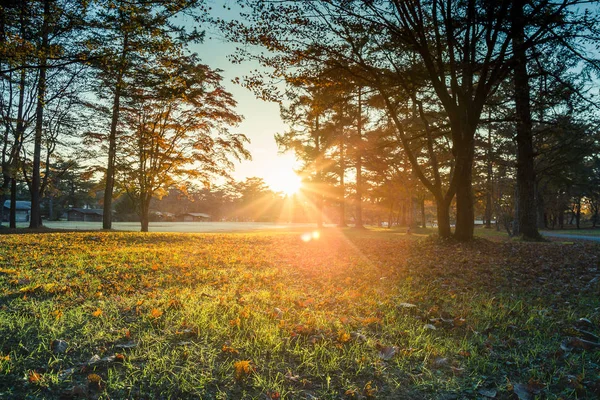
(23, 211)
(162, 216)
(195, 217)
(85, 214)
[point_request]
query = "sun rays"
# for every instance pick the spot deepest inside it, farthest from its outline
(284, 181)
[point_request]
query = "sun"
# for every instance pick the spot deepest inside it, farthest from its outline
(287, 182)
(293, 185)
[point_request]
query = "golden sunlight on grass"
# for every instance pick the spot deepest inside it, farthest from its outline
(308, 236)
(347, 314)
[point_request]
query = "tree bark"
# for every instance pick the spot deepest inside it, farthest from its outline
(578, 213)
(465, 216)
(540, 207)
(5, 185)
(526, 207)
(561, 219)
(13, 204)
(391, 215)
(112, 140)
(359, 181)
(443, 218)
(319, 175)
(342, 222)
(490, 185)
(144, 213)
(36, 220)
(402, 213)
(423, 219)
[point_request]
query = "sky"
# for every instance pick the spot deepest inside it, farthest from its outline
(261, 119)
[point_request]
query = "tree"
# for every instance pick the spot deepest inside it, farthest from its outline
(175, 126)
(127, 34)
(69, 185)
(310, 141)
(450, 57)
(43, 39)
(396, 44)
(18, 96)
(254, 201)
(35, 220)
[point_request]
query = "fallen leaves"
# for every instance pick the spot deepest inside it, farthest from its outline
(98, 313)
(575, 343)
(242, 369)
(94, 381)
(34, 377)
(386, 352)
(488, 393)
(343, 337)
(529, 390)
(128, 345)
(228, 349)
(156, 313)
(59, 346)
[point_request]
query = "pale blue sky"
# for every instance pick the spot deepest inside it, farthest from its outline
(261, 119)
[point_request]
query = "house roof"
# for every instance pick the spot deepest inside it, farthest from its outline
(97, 211)
(198, 215)
(165, 213)
(21, 205)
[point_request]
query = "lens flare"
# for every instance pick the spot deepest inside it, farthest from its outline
(308, 236)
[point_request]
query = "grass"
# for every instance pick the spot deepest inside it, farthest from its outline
(348, 314)
(582, 232)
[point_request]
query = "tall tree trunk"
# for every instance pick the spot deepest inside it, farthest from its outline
(561, 219)
(402, 213)
(10, 166)
(423, 219)
(144, 213)
(112, 140)
(490, 184)
(6, 166)
(13, 204)
(391, 215)
(36, 218)
(319, 175)
(540, 206)
(578, 213)
(526, 207)
(443, 218)
(5, 185)
(412, 209)
(465, 216)
(359, 181)
(342, 222)
(17, 144)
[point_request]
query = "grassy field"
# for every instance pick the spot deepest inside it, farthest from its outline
(330, 315)
(582, 232)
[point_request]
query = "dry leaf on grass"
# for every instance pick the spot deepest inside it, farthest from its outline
(386, 352)
(59, 346)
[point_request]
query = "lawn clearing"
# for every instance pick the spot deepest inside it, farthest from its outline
(582, 232)
(342, 314)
